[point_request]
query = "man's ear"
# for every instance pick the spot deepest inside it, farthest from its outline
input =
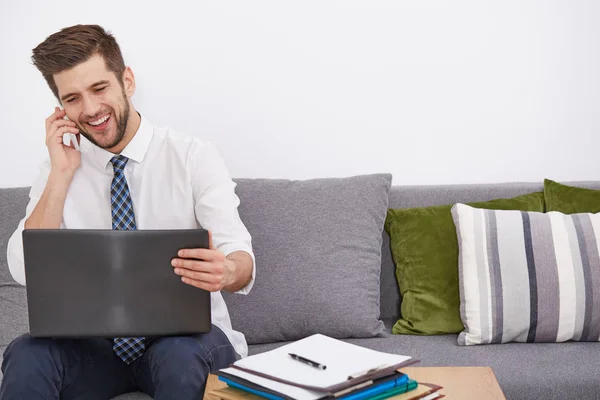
(128, 82)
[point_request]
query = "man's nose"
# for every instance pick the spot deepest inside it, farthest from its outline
(91, 106)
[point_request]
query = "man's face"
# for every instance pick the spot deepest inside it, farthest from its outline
(95, 100)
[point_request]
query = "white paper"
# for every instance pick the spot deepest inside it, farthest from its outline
(342, 360)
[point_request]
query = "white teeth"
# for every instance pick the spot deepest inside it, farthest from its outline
(99, 121)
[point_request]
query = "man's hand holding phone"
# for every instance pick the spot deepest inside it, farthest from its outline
(64, 159)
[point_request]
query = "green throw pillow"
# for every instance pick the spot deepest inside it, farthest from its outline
(425, 250)
(570, 199)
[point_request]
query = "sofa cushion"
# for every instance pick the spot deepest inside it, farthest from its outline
(570, 199)
(425, 250)
(318, 256)
(528, 276)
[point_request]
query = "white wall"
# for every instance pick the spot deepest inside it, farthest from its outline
(434, 91)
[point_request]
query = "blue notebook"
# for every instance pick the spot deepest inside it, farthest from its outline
(251, 390)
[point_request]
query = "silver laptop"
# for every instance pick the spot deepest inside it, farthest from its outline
(109, 283)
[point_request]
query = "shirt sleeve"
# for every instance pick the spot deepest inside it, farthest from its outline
(14, 251)
(216, 204)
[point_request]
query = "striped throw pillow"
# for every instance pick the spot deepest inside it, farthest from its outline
(528, 276)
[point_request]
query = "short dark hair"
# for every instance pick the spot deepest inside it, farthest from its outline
(74, 45)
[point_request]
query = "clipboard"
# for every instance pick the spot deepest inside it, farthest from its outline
(342, 366)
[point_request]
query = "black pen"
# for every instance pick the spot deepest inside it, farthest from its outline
(307, 361)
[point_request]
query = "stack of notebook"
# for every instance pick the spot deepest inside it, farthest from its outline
(318, 368)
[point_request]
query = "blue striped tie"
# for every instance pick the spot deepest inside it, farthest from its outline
(123, 218)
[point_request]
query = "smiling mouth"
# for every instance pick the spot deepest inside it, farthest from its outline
(100, 123)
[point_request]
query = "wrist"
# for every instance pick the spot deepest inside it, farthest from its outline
(239, 264)
(60, 180)
(230, 267)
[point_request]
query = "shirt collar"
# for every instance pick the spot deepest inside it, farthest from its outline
(135, 150)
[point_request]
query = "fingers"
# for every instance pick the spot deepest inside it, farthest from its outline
(57, 114)
(202, 254)
(200, 274)
(203, 280)
(194, 265)
(59, 123)
(58, 134)
(197, 276)
(58, 128)
(201, 268)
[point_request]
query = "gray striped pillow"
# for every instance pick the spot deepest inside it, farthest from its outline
(528, 276)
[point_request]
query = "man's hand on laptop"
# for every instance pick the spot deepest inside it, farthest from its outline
(206, 269)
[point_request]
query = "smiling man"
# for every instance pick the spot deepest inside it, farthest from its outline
(164, 180)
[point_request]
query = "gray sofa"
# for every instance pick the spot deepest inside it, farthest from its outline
(524, 371)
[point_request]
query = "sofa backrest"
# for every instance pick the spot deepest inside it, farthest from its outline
(14, 200)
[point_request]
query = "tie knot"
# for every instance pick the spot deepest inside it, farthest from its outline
(119, 162)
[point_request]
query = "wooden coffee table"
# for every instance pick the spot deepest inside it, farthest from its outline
(458, 382)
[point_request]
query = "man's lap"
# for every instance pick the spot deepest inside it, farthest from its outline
(85, 362)
(180, 358)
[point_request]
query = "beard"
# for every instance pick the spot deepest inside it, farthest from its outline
(121, 122)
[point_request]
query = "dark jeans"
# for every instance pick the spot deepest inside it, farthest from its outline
(171, 368)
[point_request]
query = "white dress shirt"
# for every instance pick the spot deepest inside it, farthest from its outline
(176, 182)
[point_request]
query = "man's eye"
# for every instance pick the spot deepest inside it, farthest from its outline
(100, 89)
(71, 100)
